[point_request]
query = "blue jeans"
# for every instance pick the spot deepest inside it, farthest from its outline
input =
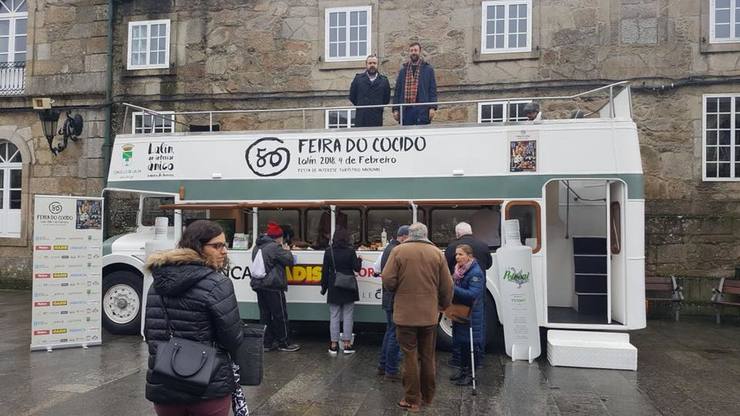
(390, 352)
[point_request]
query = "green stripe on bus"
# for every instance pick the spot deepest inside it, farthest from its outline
(499, 187)
(315, 312)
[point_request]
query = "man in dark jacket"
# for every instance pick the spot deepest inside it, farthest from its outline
(415, 84)
(370, 88)
(464, 234)
(390, 352)
(271, 288)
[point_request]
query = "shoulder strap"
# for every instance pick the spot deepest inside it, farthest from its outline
(333, 260)
(167, 317)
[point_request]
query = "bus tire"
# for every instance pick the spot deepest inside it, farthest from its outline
(121, 304)
(494, 329)
(444, 334)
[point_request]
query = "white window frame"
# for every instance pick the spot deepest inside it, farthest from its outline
(734, 109)
(148, 24)
(5, 210)
(506, 4)
(12, 18)
(350, 113)
(327, 38)
(141, 114)
(734, 35)
(505, 110)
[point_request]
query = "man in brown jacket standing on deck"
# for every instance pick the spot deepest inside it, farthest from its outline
(417, 272)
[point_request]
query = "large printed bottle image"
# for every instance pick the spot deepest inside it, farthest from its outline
(514, 266)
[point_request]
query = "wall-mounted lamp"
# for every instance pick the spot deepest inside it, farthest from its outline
(71, 129)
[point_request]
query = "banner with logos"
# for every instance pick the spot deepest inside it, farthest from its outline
(67, 272)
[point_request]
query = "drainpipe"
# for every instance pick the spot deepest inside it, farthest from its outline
(107, 139)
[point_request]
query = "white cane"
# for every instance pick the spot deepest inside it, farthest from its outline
(472, 356)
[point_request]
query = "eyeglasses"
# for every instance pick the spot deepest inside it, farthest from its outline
(217, 246)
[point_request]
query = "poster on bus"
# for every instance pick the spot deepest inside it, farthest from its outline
(67, 272)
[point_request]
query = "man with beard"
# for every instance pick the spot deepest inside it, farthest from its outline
(415, 84)
(370, 88)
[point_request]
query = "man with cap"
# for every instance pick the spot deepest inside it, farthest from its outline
(532, 112)
(271, 288)
(390, 352)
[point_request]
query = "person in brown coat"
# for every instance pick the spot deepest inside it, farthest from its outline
(417, 272)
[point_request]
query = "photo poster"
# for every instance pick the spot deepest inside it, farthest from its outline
(522, 152)
(67, 272)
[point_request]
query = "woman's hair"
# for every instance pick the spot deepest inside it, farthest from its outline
(341, 238)
(198, 233)
(465, 248)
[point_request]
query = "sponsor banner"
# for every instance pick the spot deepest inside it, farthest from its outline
(346, 154)
(67, 270)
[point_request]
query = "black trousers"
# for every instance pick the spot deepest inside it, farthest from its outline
(274, 314)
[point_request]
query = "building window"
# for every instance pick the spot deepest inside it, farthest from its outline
(724, 21)
(340, 119)
(506, 26)
(347, 35)
(499, 112)
(13, 30)
(149, 44)
(143, 123)
(10, 190)
(721, 141)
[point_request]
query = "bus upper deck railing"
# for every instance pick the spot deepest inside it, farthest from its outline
(616, 96)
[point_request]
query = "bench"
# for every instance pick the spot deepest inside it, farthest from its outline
(720, 297)
(665, 289)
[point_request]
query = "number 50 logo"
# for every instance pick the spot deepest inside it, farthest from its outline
(267, 157)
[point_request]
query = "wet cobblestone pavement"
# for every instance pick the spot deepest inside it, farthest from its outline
(686, 368)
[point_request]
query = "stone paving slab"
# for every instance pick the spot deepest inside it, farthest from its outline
(686, 368)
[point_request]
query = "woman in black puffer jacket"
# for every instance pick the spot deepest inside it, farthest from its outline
(202, 306)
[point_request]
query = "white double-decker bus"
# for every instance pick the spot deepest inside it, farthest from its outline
(574, 184)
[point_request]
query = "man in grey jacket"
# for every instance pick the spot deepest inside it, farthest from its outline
(271, 288)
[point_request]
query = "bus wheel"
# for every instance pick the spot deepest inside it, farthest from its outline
(122, 302)
(444, 334)
(494, 329)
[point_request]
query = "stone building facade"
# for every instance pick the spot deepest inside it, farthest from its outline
(226, 54)
(57, 50)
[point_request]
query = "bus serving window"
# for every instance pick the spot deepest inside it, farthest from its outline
(318, 228)
(150, 210)
(528, 214)
(288, 219)
(442, 222)
(386, 218)
(484, 220)
(351, 218)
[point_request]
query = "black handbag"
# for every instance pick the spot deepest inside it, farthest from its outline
(183, 364)
(343, 280)
(249, 356)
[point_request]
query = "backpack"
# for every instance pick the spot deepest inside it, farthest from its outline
(258, 270)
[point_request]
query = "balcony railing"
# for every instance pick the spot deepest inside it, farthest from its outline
(12, 78)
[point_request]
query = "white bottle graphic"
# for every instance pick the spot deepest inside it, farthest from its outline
(384, 238)
(514, 266)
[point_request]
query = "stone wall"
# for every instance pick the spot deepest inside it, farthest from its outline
(66, 62)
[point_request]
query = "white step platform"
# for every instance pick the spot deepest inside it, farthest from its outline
(611, 350)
